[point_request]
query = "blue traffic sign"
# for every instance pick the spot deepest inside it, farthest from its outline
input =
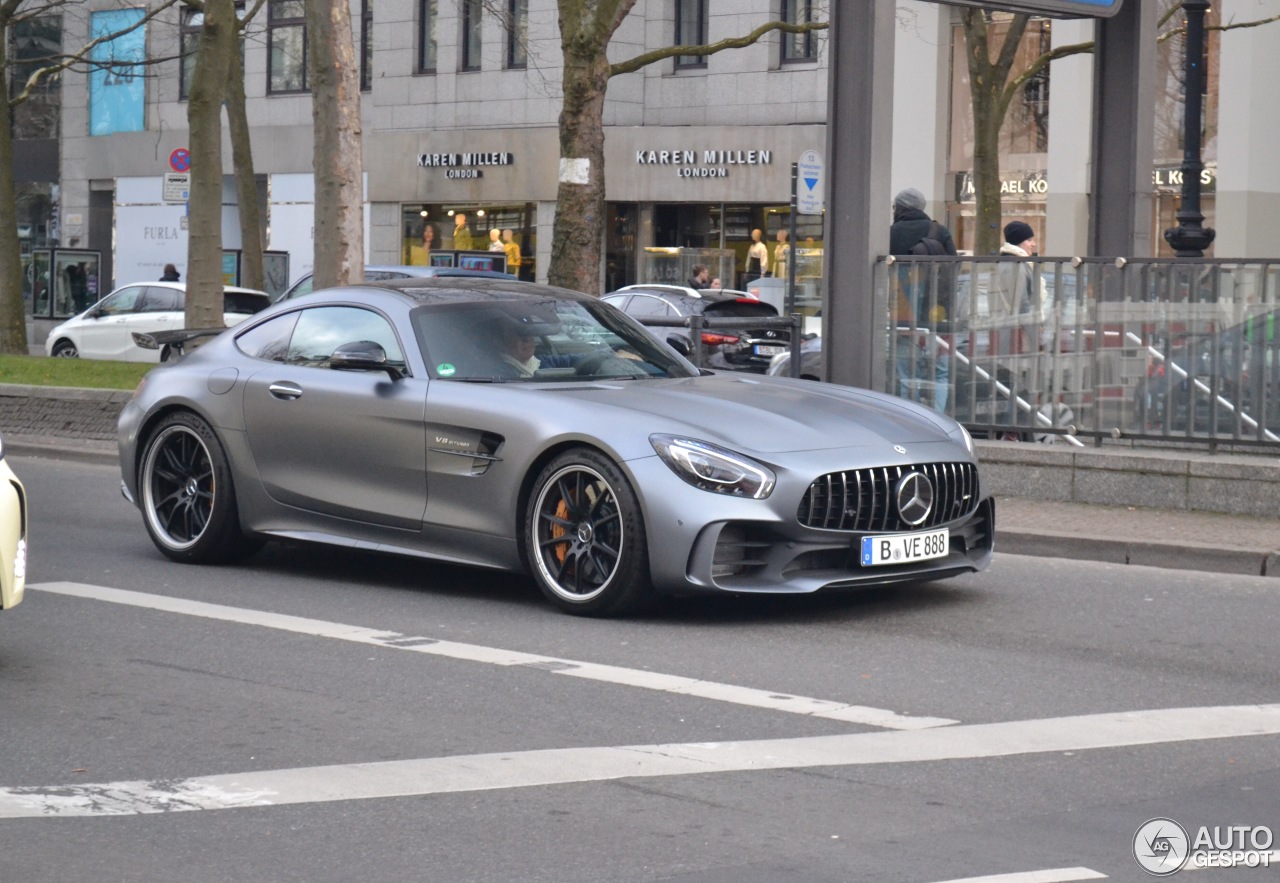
(810, 195)
(180, 160)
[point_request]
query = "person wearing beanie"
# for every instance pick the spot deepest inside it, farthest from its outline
(1018, 291)
(919, 302)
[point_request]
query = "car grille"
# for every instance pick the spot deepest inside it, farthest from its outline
(864, 499)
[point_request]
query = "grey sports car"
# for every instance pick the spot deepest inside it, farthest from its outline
(515, 426)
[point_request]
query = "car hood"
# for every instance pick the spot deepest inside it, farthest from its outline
(770, 415)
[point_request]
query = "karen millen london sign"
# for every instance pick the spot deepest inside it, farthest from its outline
(463, 165)
(703, 163)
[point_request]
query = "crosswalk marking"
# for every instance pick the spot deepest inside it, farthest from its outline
(1049, 875)
(523, 769)
(630, 677)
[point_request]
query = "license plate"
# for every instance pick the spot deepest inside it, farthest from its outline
(904, 548)
(762, 349)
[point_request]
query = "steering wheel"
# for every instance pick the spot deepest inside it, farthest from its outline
(592, 363)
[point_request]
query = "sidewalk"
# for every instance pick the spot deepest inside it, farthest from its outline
(1180, 539)
(1173, 538)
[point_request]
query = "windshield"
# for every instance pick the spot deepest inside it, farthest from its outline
(532, 339)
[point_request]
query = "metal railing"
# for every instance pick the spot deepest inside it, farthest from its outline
(1072, 348)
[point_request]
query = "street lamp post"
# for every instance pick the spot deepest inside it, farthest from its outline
(1190, 238)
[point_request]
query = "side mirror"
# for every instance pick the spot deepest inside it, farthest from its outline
(363, 355)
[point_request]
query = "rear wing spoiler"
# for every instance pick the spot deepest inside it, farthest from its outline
(176, 341)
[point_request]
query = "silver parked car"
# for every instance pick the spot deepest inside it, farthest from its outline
(511, 425)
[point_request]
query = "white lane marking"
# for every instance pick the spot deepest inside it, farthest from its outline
(1048, 875)
(559, 766)
(630, 677)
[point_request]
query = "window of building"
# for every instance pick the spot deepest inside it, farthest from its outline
(286, 46)
(471, 10)
(517, 34)
(366, 45)
(189, 45)
(798, 47)
(189, 39)
(691, 30)
(33, 43)
(427, 48)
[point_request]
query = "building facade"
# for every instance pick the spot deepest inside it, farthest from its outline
(460, 107)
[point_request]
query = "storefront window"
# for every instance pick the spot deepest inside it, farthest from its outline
(438, 228)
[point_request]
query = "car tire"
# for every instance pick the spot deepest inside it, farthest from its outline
(187, 496)
(65, 349)
(585, 539)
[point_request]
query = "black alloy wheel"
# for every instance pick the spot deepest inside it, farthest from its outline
(188, 500)
(585, 538)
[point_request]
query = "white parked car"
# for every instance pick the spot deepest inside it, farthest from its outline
(13, 536)
(105, 330)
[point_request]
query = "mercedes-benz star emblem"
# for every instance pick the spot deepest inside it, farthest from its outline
(900, 449)
(915, 498)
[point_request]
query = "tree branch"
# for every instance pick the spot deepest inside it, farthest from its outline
(81, 55)
(648, 58)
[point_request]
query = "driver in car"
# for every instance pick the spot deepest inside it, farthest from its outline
(519, 362)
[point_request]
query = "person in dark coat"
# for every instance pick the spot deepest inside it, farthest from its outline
(920, 304)
(911, 224)
(170, 274)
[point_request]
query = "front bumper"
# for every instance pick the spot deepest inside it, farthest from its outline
(702, 542)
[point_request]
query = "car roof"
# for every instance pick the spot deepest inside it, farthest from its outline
(444, 289)
(710, 294)
(182, 286)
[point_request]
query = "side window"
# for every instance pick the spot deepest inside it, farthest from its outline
(123, 301)
(618, 300)
(323, 329)
(301, 287)
(270, 340)
(161, 300)
(645, 305)
(383, 275)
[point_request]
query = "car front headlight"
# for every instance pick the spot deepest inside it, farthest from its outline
(962, 435)
(713, 468)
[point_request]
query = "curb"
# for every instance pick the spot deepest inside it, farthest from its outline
(19, 446)
(1170, 556)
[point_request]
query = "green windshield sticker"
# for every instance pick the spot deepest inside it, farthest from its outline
(445, 370)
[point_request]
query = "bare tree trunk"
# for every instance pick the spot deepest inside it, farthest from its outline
(335, 110)
(990, 100)
(577, 242)
(13, 313)
(252, 273)
(204, 118)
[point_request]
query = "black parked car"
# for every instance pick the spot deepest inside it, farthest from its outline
(1209, 382)
(733, 350)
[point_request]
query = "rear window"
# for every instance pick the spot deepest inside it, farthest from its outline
(749, 309)
(244, 302)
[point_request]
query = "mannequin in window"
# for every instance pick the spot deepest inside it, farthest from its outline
(757, 257)
(495, 240)
(512, 248)
(781, 255)
(420, 255)
(461, 233)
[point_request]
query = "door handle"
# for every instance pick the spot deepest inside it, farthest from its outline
(282, 390)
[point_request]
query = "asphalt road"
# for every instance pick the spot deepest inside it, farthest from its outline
(319, 715)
